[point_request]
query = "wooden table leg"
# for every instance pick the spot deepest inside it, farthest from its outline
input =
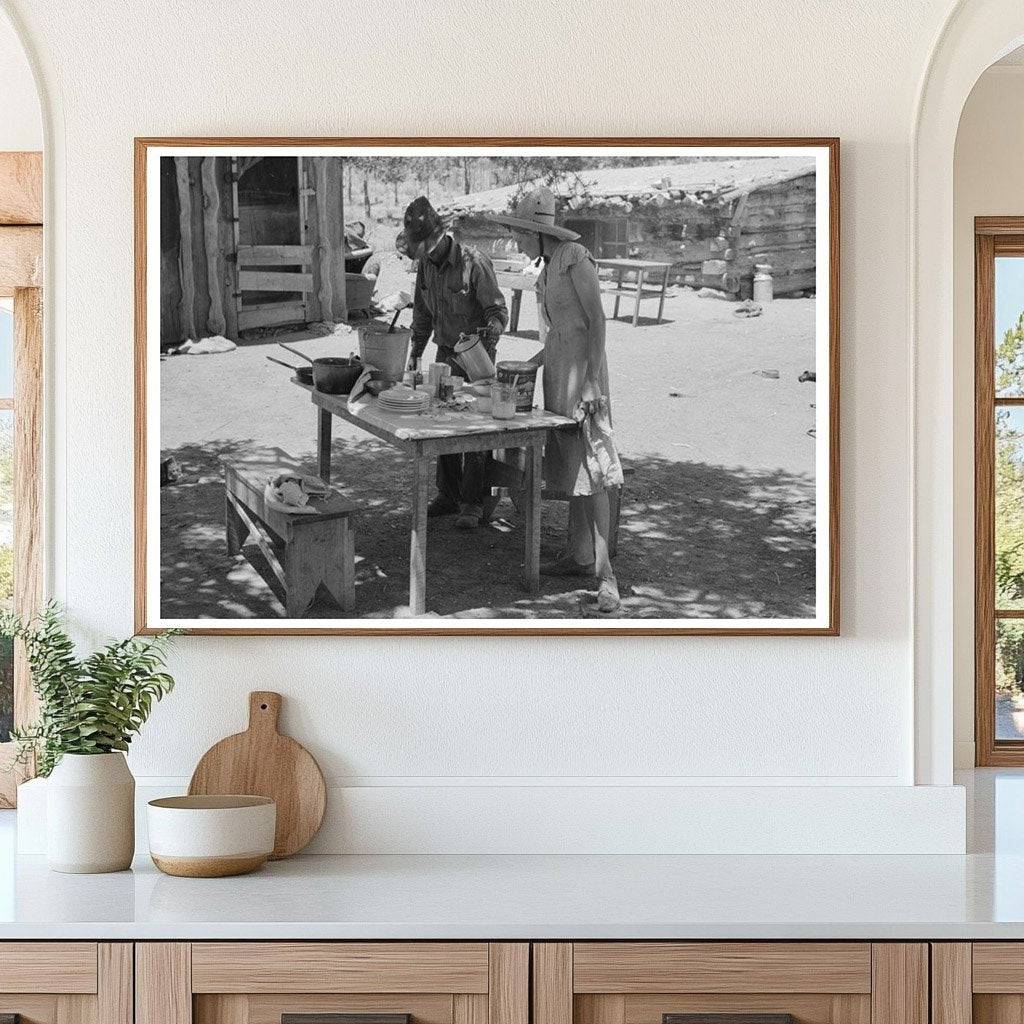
(418, 537)
(664, 288)
(639, 295)
(534, 486)
(323, 445)
(618, 292)
(513, 314)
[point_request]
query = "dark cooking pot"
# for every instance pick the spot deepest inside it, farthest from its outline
(335, 375)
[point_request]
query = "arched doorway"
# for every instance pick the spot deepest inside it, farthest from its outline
(976, 34)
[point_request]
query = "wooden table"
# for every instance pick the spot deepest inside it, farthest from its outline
(424, 438)
(641, 268)
(516, 283)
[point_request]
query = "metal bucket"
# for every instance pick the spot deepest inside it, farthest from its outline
(385, 352)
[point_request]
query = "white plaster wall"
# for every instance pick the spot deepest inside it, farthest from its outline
(988, 181)
(21, 125)
(529, 711)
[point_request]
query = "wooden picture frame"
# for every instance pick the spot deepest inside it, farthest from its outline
(825, 621)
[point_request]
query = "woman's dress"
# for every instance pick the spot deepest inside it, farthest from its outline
(566, 353)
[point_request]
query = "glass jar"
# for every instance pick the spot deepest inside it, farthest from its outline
(503, 401)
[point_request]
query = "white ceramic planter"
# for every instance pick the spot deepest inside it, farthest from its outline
(90, 814)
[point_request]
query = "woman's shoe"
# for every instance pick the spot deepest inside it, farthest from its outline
(567, 566)
(608, 600)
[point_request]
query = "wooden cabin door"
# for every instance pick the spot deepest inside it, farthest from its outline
(274, 279)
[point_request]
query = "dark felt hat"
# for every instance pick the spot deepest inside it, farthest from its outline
(422, 221)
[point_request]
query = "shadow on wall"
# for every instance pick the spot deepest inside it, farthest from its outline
(696, 541)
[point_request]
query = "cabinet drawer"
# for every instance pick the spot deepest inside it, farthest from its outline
(261, 982)
(48, 967)
(735, 982)
(340, 967)
(66, 982)
(634, 967)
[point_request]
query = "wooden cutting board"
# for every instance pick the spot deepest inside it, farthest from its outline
(262, 762)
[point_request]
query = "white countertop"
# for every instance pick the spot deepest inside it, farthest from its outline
(978, 896)
(532, 897)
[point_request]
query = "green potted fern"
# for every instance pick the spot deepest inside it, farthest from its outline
(89, 709)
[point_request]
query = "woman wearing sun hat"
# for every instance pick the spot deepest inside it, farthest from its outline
(579, 465)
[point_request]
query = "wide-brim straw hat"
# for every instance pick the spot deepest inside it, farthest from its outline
(536, 212)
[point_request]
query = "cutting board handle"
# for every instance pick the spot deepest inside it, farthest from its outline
(264, 711)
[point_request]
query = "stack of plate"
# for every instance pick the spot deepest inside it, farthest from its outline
(403, 400)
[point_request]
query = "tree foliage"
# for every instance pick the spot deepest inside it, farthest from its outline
(1009, 502)
(90, 705)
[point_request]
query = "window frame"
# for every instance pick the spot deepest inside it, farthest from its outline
(993, 237)
(21, 254)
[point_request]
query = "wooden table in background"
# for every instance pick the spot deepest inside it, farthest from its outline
(512, 281)
(641, 268)
(516, 283)
(424, 438)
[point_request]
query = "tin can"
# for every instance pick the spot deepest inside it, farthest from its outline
(509, 371)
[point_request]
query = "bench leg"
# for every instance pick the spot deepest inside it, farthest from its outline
(303, 567)
(235, 528)
(339, 563)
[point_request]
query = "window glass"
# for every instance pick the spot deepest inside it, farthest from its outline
(1009, 514)
(1009, 326)
(1009, 679)
(6, 352)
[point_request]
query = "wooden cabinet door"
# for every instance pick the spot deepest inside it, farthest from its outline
(977, 983)
(66, 982)
(749, 982)
(263, 982)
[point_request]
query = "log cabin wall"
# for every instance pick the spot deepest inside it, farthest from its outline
(777, 226)
(198, 254)
(326, 235)
(196, 250)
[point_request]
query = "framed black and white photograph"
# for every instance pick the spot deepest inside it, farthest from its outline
(430, 386)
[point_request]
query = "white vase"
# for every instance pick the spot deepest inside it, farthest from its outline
(90, 814)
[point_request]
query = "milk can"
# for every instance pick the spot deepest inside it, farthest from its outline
(763, 287)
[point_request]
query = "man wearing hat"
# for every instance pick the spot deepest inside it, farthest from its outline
(456, 293)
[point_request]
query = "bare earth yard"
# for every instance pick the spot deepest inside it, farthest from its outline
(718, 508)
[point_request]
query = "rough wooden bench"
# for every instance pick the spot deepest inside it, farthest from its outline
(305, 551)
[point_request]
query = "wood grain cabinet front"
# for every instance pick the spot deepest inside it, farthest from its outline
(977, 983)
(730, 983)
(66, 982)
(332, 983)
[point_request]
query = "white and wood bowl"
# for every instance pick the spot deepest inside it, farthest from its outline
(211, 836)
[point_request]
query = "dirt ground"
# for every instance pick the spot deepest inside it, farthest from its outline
(718, 506)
